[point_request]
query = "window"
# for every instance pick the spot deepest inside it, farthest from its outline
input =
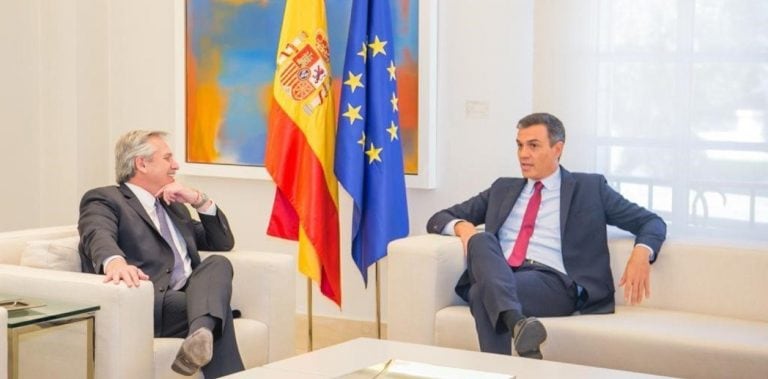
(679, 109)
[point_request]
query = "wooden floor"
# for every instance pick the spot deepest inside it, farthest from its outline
(329, 331)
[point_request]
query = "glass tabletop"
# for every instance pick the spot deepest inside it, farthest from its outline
(24, 311)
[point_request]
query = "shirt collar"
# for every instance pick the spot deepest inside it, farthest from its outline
(145, 198)
(551, 182)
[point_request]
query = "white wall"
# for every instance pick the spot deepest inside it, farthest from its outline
(118, 75)
(19, 116)
(562, 34)
(52, 108)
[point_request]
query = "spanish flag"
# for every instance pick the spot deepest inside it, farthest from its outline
(300, 145)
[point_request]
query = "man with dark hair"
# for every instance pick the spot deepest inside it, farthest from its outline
(141, 230)
(544, 251)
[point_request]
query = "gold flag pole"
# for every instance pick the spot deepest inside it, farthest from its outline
(309, 315)
(378, 303)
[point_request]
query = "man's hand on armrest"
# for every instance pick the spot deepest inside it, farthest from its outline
(465, 230)
(636, 279)
(118, 270)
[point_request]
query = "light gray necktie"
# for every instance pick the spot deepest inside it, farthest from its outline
(178, 278)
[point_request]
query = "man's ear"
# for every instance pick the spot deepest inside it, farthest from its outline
(140, 164)
(559, 149)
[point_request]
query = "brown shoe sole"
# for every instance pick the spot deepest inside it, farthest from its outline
(195, 352)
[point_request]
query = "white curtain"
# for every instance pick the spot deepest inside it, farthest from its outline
(668, 99)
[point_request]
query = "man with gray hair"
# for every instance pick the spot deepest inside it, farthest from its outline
(141, 230)
(544, 250)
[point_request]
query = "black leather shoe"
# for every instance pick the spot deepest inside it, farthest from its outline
(529, 335)
(195, 352)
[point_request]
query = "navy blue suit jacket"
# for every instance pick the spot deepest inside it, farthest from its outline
(587, 205)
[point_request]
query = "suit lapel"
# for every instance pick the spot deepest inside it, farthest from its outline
(134, 202)
(567, 186)
(179, 222)
(515, 189)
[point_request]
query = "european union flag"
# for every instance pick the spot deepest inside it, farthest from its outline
(369, 158)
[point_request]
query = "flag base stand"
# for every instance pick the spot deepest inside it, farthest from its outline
(378, 303)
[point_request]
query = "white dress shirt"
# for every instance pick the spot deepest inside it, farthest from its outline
(545, 244)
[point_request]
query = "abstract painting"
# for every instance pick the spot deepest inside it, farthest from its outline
(230, 50)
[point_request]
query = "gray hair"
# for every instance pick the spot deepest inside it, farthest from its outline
(130, 146)
(555, 128)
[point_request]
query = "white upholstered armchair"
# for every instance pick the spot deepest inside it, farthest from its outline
(3, 342)
(263, 291)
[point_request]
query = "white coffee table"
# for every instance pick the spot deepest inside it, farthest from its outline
(352, 355)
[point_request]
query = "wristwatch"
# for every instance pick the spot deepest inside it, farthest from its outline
(203, 199)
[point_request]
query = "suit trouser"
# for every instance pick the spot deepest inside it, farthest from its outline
(491, 287)
(207, 293)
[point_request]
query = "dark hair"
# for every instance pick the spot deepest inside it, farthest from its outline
(555, 128)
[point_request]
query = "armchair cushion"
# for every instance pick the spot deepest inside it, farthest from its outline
(251, 337)
(56, 254)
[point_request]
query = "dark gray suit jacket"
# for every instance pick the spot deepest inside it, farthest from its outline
(113, 222)
(587, 205)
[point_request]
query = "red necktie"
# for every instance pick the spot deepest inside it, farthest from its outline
(526, 229)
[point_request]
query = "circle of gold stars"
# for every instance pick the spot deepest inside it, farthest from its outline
(355, 81)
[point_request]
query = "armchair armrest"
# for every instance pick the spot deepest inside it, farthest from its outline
(423, 271)
(264, 289)
(3, 342)
(123, 326)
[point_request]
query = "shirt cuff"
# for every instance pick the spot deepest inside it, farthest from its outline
(211, 211)
(110, 259)
(651, 253)
(449, 227)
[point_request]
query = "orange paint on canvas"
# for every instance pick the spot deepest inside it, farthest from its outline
(264, 96)
(205, 107)
(408, 92)
(336, 88)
